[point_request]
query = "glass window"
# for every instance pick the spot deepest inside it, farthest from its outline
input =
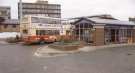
(129, 33)
(25, 31)
(47, 32)
(14, 26)
(24, 19)
(5, 26)
(45, 20)
(35, 20)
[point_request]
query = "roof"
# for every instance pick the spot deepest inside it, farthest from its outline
(103, 16)
(105, 20)
(38, 3)
(11, 21)
(110, 21)
(4, 7)
(106, 16)
(70, 20)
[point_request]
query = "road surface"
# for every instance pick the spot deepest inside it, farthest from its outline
(19, 59)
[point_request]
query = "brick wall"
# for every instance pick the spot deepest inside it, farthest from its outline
(9, 28)
(99, 37)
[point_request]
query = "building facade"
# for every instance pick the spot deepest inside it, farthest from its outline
(5, 12)
(41, 8)
(132, 19)
(10, 25)
(100, 30)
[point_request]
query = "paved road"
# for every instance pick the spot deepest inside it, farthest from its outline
(20, 59)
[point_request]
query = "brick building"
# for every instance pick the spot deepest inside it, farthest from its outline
(9, 25)
(103, 29)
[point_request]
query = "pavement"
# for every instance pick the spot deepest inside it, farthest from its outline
(16, 58)
(46, 52)
(3, 42)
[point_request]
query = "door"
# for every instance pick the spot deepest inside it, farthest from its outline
(112, 35)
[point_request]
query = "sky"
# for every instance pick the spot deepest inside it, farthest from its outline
(120, 9)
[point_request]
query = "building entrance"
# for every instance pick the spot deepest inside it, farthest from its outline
(83, 32)
(118, 35)
(114, 35)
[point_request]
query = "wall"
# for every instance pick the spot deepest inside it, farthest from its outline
(9, 28)
(99, 37)
(133, 35)
(41, 9)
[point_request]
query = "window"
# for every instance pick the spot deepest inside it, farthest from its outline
(25, 31)
(14, 26)
(24, 19)
(35, 20)
(57, 32)
(129, 33)
(5, 26)
(47, 32)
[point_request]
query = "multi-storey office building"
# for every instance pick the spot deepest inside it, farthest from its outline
(40, 8)
(132, 19)
(5, 12)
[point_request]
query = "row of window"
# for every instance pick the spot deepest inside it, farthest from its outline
(13, 26)
(85, 25)
(41, 11)
(118, 35)
(45, 20)
(47, 32)
(42, 6)
(44, 32)
(4, 13)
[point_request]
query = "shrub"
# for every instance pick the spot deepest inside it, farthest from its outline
(68, 45)
(67, 39)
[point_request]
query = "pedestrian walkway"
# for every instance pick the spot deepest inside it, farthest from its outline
(3, 42)
(49, 52)
(92, 48)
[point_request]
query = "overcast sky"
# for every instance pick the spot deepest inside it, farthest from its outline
(121, 9)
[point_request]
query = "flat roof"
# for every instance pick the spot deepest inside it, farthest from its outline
(105, 21)
(4, 7)
(110, 21)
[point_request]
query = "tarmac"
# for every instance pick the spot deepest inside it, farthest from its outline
(46, 52)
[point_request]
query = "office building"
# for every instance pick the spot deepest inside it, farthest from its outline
(40, 8)
(5, 12)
